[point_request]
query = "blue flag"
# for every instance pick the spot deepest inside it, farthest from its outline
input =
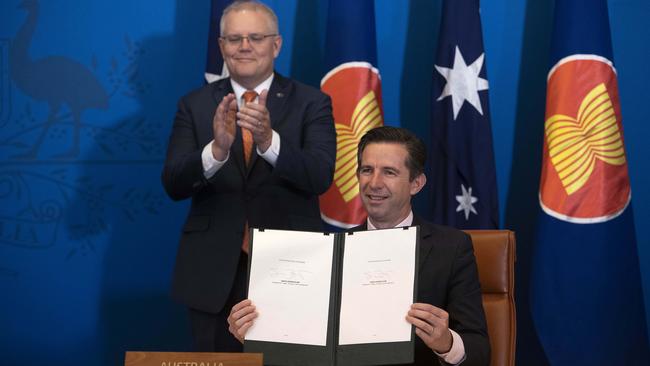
(353, 82)
(586, 297)
(215, 69)
(463, 176)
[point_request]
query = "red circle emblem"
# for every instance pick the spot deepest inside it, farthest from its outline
(584, 168)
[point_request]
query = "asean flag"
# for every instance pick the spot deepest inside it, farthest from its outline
(584, 174)
(354, 85)
(586, 297)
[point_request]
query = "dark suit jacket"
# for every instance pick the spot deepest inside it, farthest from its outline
(448, 279)
(280, 197)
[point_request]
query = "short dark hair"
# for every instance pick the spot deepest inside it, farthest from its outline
(417, 152)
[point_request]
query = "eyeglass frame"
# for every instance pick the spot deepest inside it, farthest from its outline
(250, 38)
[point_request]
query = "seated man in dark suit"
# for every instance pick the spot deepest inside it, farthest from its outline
(448, 316)
(252, 150)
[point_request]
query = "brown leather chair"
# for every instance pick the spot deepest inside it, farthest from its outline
(495, 257)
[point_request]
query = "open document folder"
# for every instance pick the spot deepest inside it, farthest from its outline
(333, 299)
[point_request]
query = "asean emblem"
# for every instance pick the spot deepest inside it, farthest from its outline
(355, 89)
(584, 169)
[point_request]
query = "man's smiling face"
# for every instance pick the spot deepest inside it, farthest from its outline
(384, 183)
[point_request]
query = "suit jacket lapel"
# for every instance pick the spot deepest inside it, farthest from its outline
(425, 232)
(276, 99)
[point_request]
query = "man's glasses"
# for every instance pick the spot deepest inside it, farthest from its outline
(253, 38)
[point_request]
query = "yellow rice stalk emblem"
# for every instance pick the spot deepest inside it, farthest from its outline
(366, 116)
(574, 144)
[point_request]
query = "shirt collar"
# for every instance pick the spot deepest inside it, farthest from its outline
(408, 221)
(239, 90)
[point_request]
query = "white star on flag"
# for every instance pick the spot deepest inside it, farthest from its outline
(463, 82)
(466, 202)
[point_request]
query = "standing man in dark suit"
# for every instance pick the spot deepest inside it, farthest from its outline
(448, 316)
(252, 150)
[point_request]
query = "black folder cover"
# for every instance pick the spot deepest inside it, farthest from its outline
(333, 354)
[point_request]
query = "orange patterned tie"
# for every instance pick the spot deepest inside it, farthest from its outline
(247, 139)
(246, 135)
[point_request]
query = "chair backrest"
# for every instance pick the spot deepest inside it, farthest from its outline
(495, 257)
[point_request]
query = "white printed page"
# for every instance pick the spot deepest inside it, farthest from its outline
(378, 285)
(290, 283)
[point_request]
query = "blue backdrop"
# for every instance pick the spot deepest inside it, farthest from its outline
(87, 97)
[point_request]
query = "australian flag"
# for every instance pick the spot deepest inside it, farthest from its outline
(464, 187)
(215, 69)
(586, 297)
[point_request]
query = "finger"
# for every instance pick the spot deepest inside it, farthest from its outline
(420, 324)
(232, 107)
(239, 327)
(235, 333)
(224, 106)
(243, 312)
(245, 327)
(254, 127)
(240, 305)
(232, 101)
(221, 109)
(250, 118)
(429, 318)
(236, 320)
(251, 113)
(262, 99)
(227, 101)
(421, 314)
(241, 332)
(424, 336)
(255, 107)
(422, 306)
(245, 319)
(438, 312)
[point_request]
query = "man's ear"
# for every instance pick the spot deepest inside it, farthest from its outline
(418, 183)
(277, 45)
(221, 45)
